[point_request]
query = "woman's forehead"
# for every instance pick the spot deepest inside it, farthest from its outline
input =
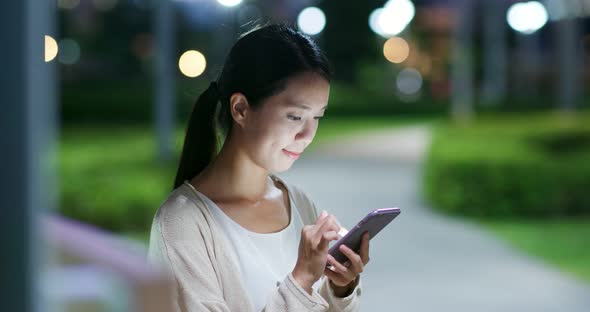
(307, 95)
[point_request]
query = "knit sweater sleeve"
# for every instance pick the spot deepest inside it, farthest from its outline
(182, 245)
(177, 245)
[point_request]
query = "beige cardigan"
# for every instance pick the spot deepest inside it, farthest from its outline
(187, 242)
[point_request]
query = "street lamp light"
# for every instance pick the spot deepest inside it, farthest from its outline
(311, 20)
(229, 3)
(527, 17)
(192, 63)
(392, 18)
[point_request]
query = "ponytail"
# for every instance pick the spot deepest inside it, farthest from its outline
(200, 141)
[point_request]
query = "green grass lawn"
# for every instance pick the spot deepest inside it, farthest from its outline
(564, 243)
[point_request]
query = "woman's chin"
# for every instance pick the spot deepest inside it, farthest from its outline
(282, 167)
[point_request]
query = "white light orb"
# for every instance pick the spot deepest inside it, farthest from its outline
(192, 63)
(51, 48)
(311, 20)
(527, 17)
(393, 18)
(229, 3)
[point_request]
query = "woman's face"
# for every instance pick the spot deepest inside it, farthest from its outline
(286, 123)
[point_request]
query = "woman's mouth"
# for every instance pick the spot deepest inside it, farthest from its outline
(291, 154)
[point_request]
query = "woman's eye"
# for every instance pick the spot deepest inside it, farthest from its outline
(319, 117)
(295, 118)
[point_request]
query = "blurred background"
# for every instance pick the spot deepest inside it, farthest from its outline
(470, 115)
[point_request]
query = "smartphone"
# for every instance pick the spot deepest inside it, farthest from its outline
(373, 223)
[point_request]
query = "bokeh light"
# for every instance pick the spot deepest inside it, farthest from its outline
(393, 18)
(229, 3)
(373, 21)
(409, 81)
(527, 17)
(50, 48)
(311, 20)
(192, 63)
(396, 50)
(69, 51)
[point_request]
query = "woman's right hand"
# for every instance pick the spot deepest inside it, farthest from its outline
(313, 250)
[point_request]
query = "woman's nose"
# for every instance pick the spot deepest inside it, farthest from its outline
(307, 132)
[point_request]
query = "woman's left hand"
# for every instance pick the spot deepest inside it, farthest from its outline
(343, 275)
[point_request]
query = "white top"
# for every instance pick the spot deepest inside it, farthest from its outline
(264, 259)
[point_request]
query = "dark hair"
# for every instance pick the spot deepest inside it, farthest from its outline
(258, 66)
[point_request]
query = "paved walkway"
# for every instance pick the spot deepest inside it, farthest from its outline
(425, 261)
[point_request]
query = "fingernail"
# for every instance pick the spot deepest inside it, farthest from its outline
(323, 214)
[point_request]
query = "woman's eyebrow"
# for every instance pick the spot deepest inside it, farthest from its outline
(302, 106)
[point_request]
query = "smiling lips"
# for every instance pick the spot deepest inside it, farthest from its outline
(291, 154)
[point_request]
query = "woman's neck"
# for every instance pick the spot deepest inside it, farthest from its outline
(232, 176)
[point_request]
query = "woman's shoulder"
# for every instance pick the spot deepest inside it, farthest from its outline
(178, 226)
(181, 208)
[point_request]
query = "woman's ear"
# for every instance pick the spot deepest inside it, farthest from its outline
(239, 107)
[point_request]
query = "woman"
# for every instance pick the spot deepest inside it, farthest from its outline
(234, 236)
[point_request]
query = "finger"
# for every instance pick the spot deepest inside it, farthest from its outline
(306, 233)
(320, 219)
(326, 238)
(331, 274)
(327, 224)
(315, 229)
(321, 222)
(335, 277)
(332, 223)
(322, 215)
(364, 251)
(338, 267)
(343, 231)
(325, 215)
(336, 222)
(355, 260)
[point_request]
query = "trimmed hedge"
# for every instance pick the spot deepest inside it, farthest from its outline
(535, 165)
(120, 102)
(111, 178)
